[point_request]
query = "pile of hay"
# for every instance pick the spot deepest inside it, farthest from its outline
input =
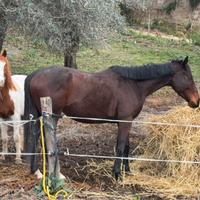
(170, 143)
(160, 180)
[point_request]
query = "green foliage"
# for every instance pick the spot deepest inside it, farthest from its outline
(170, 7)
(194, 3)
(65, 24)
(128, 49)
(54, 185)
(196, 38)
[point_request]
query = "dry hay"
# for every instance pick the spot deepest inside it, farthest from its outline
(165, 180)
(171, 143)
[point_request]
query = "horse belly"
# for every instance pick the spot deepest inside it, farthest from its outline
(100, 108)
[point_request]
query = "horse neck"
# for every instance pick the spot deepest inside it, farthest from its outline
(148, 87)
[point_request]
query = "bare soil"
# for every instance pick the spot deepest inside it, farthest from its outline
(17, 183)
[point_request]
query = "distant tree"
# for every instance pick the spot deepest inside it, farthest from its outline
(64, 25)
(8, 10)
(141, 5)
(3, 24)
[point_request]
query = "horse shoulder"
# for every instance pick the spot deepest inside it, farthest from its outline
(130, 101)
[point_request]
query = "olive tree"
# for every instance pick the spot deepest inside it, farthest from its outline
(64, 25)
(3, 26)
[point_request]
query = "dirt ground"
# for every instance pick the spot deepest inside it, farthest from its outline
(86, 183)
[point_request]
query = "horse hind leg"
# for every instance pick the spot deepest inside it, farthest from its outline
(4, 137)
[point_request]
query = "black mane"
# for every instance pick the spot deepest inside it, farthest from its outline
(145, 72)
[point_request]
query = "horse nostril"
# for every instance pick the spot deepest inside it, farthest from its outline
(193, 104)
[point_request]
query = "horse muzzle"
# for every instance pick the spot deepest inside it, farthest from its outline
(193, 104)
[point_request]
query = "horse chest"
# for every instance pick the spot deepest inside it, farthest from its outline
(6, 107)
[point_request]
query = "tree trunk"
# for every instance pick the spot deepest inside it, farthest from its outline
(70, 59)
(3, 27)
(71, 50)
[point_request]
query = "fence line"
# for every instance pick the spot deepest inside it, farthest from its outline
(66, 153)
(131, 158)
(16, 122)
(23, 154)
(132, 121)
(22, 122)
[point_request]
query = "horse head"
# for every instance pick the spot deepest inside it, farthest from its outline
(5, 73)
(182, 82)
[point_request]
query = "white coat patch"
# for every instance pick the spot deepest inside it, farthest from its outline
(2, 64)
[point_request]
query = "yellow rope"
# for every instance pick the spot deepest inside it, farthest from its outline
(46, 187)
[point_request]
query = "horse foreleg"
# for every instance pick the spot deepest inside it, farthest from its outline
(21, 133)
(122, 138)
(18, 142)
(4, 137)
(34, 158)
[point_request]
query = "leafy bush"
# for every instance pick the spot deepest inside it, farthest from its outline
(170, 7)
(194, 3)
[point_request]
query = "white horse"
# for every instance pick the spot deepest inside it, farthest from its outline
(11, 105)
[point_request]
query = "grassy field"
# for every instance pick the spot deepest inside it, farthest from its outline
(128, 49)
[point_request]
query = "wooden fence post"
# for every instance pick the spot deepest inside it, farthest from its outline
(50, 124)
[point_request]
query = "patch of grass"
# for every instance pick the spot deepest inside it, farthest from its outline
(165, 27)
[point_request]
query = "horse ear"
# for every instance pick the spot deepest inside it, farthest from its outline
(185, 61)
(4, 53)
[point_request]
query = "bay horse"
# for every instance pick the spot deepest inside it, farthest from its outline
(11, 105)
(117, 93)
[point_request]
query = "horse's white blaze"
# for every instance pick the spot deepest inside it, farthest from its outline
(2, 78)
(2, 64)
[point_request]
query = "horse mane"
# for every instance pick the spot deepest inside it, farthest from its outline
(145, 72)
(8, 82)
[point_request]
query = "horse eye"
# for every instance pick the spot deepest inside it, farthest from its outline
(185, 77)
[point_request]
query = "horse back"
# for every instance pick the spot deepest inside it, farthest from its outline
(82, 94)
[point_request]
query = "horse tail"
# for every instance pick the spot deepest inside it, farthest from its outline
(31, 129)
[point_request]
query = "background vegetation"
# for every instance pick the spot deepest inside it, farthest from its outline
(89, 34)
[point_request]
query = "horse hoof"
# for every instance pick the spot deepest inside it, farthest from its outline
(117, 175)
(128, 172)
(2, 157)
(38, 174)
(62, 177)
(18, 161)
